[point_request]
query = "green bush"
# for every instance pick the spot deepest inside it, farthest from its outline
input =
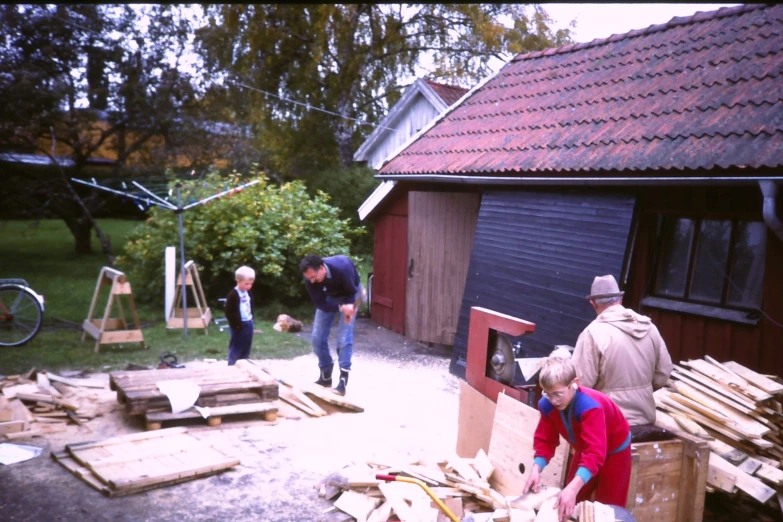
(267, 227)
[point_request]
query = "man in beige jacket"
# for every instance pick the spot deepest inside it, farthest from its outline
(621, 354)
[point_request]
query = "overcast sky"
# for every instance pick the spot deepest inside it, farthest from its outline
(603, 20)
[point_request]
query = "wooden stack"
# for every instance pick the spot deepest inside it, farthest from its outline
(39, 403)
(462, 485)
(138, 462)
(739, 412)
(226, 390)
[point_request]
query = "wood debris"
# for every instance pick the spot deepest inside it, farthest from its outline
(739, 412)
(459, 484)
(39, 403)
(142, 461)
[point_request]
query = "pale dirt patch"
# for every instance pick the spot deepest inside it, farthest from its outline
(411, 404)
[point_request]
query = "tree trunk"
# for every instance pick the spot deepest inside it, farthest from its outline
(82, 233)
(345, 144)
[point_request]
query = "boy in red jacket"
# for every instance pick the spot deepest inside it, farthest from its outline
(595, 428)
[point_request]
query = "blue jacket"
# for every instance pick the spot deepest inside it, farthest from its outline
(339, 287)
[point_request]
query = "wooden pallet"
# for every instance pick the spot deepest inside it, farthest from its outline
(142, 461)
(155, 420)
(220, 387)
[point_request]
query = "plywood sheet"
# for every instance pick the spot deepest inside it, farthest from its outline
(476, 414)
(511, 444)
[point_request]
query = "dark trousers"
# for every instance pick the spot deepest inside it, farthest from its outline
(241, 341)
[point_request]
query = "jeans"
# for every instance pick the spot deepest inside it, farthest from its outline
(241, 341)
(322, 326)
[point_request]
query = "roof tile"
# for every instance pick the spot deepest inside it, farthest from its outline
(698, 92)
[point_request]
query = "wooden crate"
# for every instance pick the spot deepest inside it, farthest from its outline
(668, 480)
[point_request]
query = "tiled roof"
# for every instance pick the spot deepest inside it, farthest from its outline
(448, 93)
(699, 92)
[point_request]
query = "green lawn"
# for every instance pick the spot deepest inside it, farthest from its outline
(43, 255)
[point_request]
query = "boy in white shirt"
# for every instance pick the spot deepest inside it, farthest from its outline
(239, 312)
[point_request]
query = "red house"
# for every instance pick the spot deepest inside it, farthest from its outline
(655, 156)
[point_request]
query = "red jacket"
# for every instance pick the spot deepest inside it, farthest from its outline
(592, 424)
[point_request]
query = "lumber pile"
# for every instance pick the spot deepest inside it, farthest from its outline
(224, 390)
(460, 484)
(39, 403)
(740, 413)
(142, 461)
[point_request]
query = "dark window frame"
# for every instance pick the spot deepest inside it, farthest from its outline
(686, 303)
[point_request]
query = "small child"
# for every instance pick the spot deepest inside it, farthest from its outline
(596, 429)
(239, 312)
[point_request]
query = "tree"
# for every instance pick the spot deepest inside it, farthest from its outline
(348, 59)
(87, 84)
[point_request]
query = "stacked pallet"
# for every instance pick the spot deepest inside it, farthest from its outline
(39, 403)
(460, 485)
(143, 461)
(226, 390)
(739, 412)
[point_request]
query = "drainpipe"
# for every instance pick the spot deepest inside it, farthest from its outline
(770, 190)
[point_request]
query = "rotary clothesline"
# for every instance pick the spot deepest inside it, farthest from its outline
(153, 199)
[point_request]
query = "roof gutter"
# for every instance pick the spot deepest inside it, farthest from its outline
(770, 191)
(583, 181)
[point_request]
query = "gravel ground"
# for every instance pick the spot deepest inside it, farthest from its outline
(410, 402)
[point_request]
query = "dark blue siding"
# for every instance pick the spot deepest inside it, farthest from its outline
(535, 255)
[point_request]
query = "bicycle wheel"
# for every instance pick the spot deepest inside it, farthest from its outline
(21, 315)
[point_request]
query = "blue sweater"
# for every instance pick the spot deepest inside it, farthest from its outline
(339, 287)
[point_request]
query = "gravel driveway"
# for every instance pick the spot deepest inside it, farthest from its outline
(410, 402)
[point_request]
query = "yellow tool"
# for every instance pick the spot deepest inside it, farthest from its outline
(438, 502)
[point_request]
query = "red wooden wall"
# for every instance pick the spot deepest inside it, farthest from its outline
(390, 256)
(689, 336)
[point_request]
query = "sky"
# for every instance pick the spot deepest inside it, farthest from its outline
(603, 20)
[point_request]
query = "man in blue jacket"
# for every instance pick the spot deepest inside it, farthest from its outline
(334, 286)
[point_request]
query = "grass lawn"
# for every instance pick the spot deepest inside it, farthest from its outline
(43, 255)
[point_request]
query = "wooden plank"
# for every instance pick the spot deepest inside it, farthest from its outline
(548, 512)
(122, 439)
(533, 500)
(122, 336)
(766, 384)
(511, 448)
(728, 380)
(355, 504)
(483, 465)
(382, 513)
(11, 427)
(474, 422)
(705, 383)
(769, 474)
(216, 411)
(327, 395)
(86, 383)
(750, 485)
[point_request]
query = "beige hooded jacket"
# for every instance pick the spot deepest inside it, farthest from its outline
(622, 354)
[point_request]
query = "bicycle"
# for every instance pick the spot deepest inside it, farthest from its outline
(21, 312)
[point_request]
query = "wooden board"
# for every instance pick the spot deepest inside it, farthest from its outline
(474, 424)
(215, 414)
(766, 384)
(511, 445)
(657, 480)
(134, 462)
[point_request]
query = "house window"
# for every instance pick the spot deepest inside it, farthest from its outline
(717, 264)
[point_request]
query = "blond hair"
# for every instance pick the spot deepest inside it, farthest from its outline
(556, 370)
(245, 273)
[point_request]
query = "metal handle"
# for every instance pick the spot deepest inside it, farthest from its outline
(410, 268)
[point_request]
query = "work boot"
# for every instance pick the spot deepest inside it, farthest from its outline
(340, 388)
(325, 376)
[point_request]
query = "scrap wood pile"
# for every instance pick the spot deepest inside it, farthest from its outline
(302, 396)
(740, 413)
(460, 485)
(246, 388)
(141, 461)
(39, 402)
(218, 391)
